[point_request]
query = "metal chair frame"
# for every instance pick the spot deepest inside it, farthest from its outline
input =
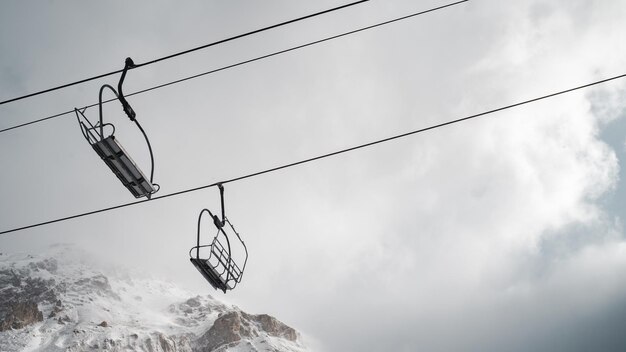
(111, 151)
(222, 273)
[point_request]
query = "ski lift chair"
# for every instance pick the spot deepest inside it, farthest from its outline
(215, 261)
(109, 148)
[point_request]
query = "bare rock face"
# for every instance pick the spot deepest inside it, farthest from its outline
(232, 327)
(274, 327)
(226, 330)
(18, 287)
(21, 314)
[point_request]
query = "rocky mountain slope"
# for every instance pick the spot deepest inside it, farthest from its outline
(53, 303)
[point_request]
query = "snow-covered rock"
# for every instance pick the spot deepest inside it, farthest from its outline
(55, 303)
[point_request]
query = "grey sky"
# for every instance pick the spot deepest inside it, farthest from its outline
(504, 233)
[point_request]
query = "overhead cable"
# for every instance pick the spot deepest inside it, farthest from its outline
(186, 51)
(369, 144)
(241, 63)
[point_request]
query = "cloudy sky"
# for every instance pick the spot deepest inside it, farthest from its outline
(502, 233)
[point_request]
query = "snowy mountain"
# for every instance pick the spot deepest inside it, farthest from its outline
(54, 303)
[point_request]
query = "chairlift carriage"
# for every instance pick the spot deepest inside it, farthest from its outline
(217, 263)
(109, 148)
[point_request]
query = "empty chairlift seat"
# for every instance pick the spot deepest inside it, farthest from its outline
(218, 261)
(111, 151)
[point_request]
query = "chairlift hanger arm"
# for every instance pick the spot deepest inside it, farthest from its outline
(128, 64)
(127, 108)
(216, 220)
(221, 187)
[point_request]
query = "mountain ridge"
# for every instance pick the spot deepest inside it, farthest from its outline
(60, 302)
